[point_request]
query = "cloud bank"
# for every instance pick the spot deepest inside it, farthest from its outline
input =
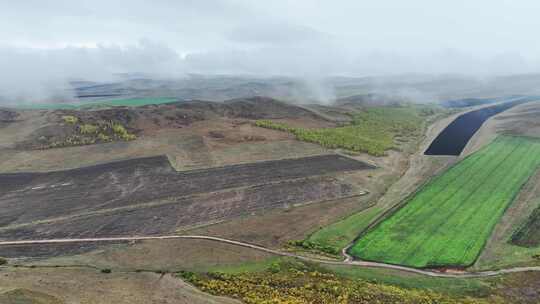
(45, 44)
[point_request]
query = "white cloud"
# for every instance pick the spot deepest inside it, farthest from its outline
(48, 42)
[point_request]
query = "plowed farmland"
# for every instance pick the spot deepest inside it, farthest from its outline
(147, 196)
(447, 222)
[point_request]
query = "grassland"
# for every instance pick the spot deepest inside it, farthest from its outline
(331, 239)
(19, 295)
(373, 130)
(502, 250)
(529, 234)
(448, 221)
(128, 102)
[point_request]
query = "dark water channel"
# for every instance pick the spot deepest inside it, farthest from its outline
(453, 139)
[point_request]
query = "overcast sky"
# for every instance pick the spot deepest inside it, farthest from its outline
(55, 39)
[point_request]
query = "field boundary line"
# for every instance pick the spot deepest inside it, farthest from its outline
(178, 199)
(346, 262)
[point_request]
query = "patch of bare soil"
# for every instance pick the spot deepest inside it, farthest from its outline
(25, 296)
(150, 118)
(147, 120)
(222, 133)
(7, 116)
(263, 108)
(275, 228)
(520, 288)
(334, 114)
(154, 255)
(193, 134)
(79, 285)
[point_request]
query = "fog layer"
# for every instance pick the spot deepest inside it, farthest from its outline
(44, 44)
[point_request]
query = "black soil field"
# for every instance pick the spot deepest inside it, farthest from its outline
(453, 139)
(529, 234)
(52, 250)
(7, 116)
(147, 196)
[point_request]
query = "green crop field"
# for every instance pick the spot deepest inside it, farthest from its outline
(448, 221)
(373, 130)
(128, 102)
(331, 239)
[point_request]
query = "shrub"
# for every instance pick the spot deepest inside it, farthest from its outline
(372, 131)
(275, 267)
(189, 276)
(104, 137)
(88, 129)
(3, 261)
(301, 283)
(121, 132)
(88, 134)
(70, 119)
(106, 270)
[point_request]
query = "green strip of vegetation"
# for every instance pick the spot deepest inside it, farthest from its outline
(452, 286)
(244, 267)
(373, 130)
(511, 244)
(449, 220)
(128, 102)
(333, 238)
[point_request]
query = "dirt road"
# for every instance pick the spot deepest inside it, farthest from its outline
(347, 262)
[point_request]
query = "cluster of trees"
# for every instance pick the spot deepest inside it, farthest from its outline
(70, 119)
(296, 283)
(372, 131)
(88, 134)
(106, 131)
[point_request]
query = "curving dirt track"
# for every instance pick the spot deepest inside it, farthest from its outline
(348, 260)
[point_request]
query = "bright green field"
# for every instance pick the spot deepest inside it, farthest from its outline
(449, 220)
(129, 102)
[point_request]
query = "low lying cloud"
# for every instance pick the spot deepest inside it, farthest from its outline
(44, 44)
(39, 75)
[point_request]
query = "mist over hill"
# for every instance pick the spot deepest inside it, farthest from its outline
(327, 50)
(408, 88)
